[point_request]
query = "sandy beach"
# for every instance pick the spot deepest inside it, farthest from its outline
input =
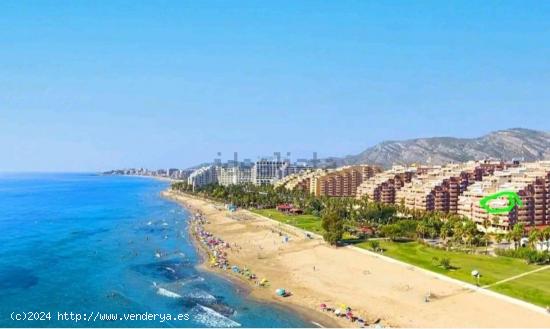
(375, 288)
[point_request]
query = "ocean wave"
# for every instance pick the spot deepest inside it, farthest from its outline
(200, 295)
(211, 318)
(167, 293)
(192, 280)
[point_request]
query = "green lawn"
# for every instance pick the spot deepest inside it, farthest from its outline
(306, 222)
(534, 288)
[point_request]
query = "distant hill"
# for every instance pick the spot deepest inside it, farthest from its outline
(506, 144)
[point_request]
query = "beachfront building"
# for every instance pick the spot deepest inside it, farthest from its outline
(202, 176)
(531, 181)
(234, 174)
(383, 187)
(180, 174)
(285, 180)
(438, 188)
(343, 181)
(303, 181)
(270, 171)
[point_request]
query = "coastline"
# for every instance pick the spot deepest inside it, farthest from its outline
(374, 287)
(246, 287)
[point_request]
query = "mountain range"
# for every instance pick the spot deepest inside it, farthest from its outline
(515, 143)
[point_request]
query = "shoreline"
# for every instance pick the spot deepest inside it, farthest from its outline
(245, 287)
(375, 287)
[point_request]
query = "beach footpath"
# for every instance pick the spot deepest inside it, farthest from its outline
(338, 286)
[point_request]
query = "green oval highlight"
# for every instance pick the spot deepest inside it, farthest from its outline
(513, 200)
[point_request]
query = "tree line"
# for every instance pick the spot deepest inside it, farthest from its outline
(352, 215)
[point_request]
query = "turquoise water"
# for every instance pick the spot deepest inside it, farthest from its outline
(109, 245)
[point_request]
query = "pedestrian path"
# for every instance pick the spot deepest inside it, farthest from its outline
(517, 276)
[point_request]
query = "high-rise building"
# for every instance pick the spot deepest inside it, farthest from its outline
(303, 181)
(343, 181)
(202, 176)
(438, 188)
(270, 171)
(383, 187)
(531, 181)
(234, 175)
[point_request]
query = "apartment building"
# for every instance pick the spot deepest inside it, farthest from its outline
(270, 171)
(233, 174)
(343, 181)
(202, 176)
(181, 174)
(438, 188)
(304, 181)
(531, 181)
(286, 180)
(383, 187)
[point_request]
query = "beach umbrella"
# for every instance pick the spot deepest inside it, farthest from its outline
(337, 311)
(280, 292)
(323, 306)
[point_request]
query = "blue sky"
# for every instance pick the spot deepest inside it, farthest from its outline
(94, 85)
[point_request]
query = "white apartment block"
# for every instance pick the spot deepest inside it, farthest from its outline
(202, 176)
(234, 175)
(270, 171)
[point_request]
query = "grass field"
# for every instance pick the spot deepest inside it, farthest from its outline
(533, 288)
(306, 222)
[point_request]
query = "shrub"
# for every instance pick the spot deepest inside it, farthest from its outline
(400, 230)
(535, 257)
(445, 263)
(375, 245)
(529, 255)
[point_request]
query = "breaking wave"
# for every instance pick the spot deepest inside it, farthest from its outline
(167, 293)
(211, 318)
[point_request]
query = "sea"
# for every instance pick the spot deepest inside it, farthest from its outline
(86, 250)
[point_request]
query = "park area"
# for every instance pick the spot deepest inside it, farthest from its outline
(306, 222)
(532, 287)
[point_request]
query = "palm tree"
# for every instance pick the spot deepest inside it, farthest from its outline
(501, 237)
(534, 236)
(470, 232)
(422, 229)
(545, 236)
(486, 223)
(445, 233)
(515, 234)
